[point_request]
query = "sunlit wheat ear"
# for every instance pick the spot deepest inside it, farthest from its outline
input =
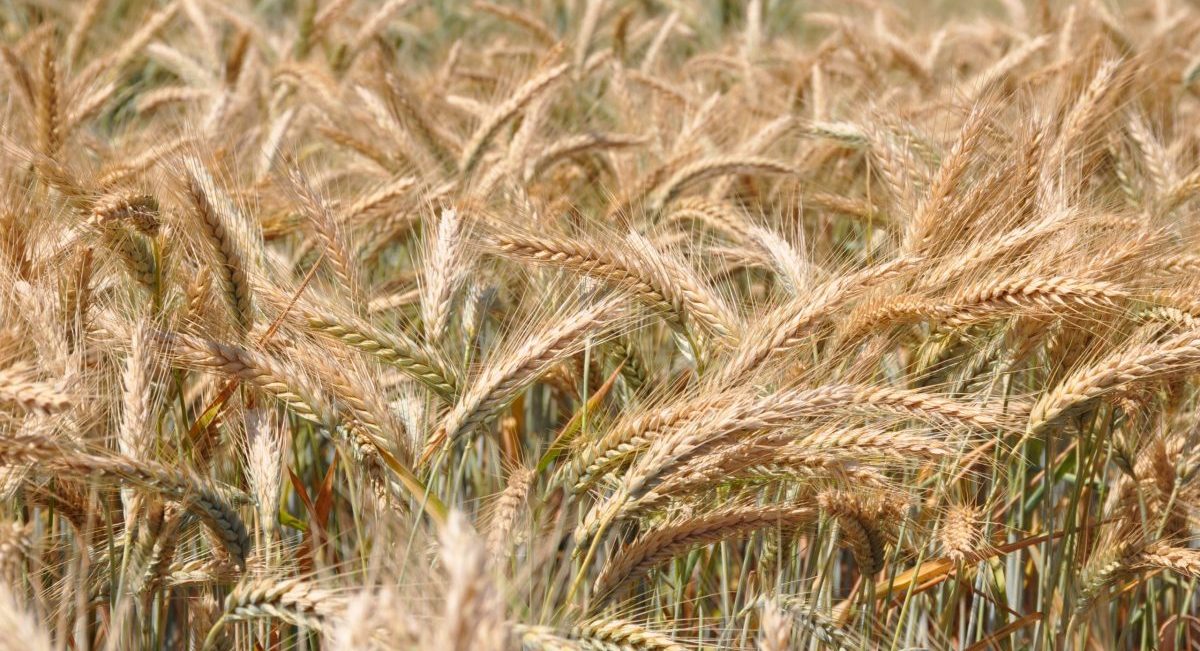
(416, 114)
(369, 203)
(961, 533)
(117, 172)
(819, 625)
(472, 616)
(211, 505)
(775, 628)
(570, 146)
(411, 356)
(22, 80)
(704, 169)
(543, 637)
(447, 269)
(334, 247)
(692, 297)
(293, 601)
(523, 19)
(666, 542)
(135, 437)
(375, 620)
(611, 631)
(138, 209)
(1109, 562)
(785, 327)
(862, 527)
(492, 122)
(49, 110)
(275, 377)
(609, 265)
(19, 392)
(1182, 561)
(21, 624)
(213, 219)
(1084, 115)
(264, 460)
(501, 379)
(1138, 363)
(508, 509)
(672, 435)
(518, 151)
(920, 233)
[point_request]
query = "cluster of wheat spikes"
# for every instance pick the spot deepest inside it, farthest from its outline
(599, 325)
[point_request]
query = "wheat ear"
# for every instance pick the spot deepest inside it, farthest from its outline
(668, 541)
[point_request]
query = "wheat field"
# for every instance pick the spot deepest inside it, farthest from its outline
(598, 325)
